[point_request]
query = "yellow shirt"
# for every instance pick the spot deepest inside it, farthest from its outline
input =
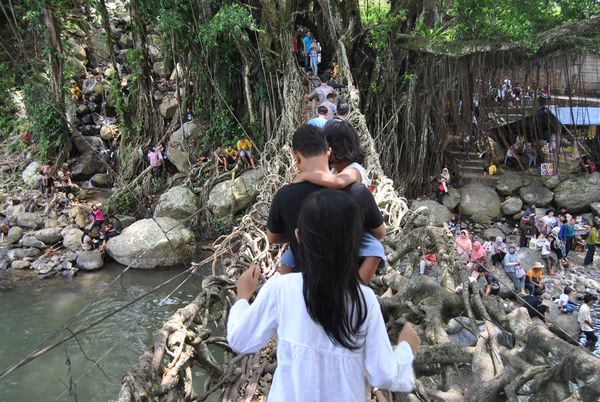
(492, 170)
(244, 145)
(230, 152)
(533, 274)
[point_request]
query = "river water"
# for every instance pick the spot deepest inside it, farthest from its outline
(31, 310)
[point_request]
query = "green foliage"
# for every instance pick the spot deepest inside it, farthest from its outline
(380, 33)
(118, 101)
(125, 203)
(222, 129)
(373, 11)
(45, 121)
(231, 21)
(220, 226)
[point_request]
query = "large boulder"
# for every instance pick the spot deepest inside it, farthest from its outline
(578, 194)
(84, 144)
(479, 202)
(14, 234)
(177, 203)
(101, 180)
(30, 241)
(438, 213)
(76, 67)
(452, 199)
(168, 106)
(88, 165)
(49, 235)
(31, 174)
(21, 253)
(231, 197)
(551, 181)
(162, 68)
(508, 183)
(595, 207)
(537, 194)
(89, 260)
(181, 143)
(30, 220)
(150, 243)
(72, 238)
(512, 205)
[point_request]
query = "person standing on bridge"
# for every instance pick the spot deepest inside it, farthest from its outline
(307, 42)
(320, 92)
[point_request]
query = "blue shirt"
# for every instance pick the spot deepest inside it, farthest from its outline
(318, 121)
(307, 42)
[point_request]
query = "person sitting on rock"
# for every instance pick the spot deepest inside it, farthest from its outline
(526, 224)
(64, 175)
(454, 225)
(244, 147)
(427, 260)
(46, 181)
(155, 157)
(550, 220)
(220, 159)
(88, 242)
(478, 257)
(498, 250)
(97, 216)
(4, 226)
(535, 306)
(586, 324)
(533, 279)
(564, 301)
(492, 285)
(108, 231)
(464, 246)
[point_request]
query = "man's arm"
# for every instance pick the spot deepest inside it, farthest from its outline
(276, 238)
(378, 232)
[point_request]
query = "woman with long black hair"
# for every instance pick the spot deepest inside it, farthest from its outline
(330, 328)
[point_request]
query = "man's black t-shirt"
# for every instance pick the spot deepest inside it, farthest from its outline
(285, 208)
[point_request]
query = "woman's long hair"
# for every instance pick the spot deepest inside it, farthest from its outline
(330, 230)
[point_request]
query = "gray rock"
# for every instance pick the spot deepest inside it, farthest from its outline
(578, 194)
(126, 220)
(177, 203)
(30, 220)
(438, 213)
(458, 332)
(508, 183)
(595, 207)
(551, 181)
(452, 199)
(76, 67)
(162, 68)
(31, 174)
(68, 273)
(84, 144)
(88, 165)
(588, 218)
(512, 205)
(181, 141)
(70, 256)
(72, 238)
(20, 264)
(536, 193)
(50, 235)
(150, 243)
(231, 197)
(126, 41)
(5, 261)
(492, 233)
(29, 241)
(89, 260)
(21, 253)
(101, 180)
(168, 106)
(154, 53)
(65, 265)
(480, 203)
(178, 71)
(14, 234)
(567, 322)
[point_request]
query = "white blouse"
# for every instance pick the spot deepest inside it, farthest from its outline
(309, 366)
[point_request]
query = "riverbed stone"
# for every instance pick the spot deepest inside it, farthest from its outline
(438, 213)
(177, 203)
(30, 241)
(72, 238)
(21, 253)
(5, 261)
(537, 194)
(88, 165)
(101, 180)
(181, 142)
(14, 234)
(168, 106)
(89, 260)
(231, 197)
(84, 144)
(452, 199)
(508, 183)
(49, 235)
(551, 181)
(480, 203)
(20, 264)
(31, 174)
(578, 194)
(30, 220)
(512, 205)
(150, 243)
(492, 233)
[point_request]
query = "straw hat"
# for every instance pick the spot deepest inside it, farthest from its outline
(538, 265)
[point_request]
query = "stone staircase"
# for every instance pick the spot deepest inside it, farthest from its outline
(468, 167)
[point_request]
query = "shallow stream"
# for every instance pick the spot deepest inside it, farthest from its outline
(32, 310)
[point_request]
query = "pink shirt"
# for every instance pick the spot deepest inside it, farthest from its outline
(154, 158)
(98, 215)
